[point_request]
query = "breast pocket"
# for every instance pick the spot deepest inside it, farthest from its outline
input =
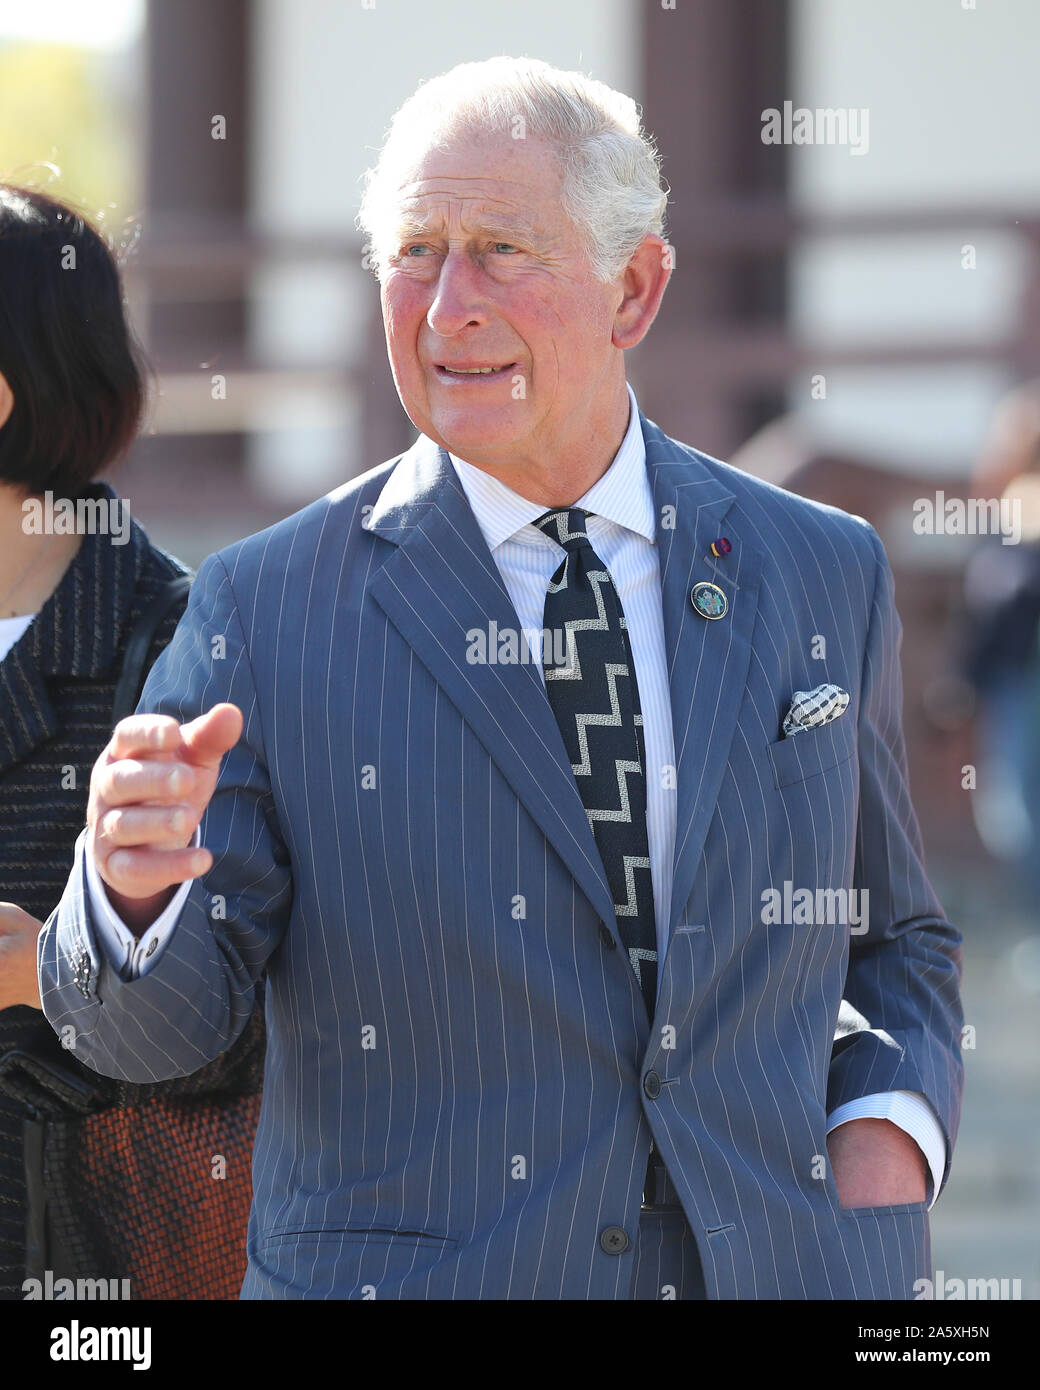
(801, 756)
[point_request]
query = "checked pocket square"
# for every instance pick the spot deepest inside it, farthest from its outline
(812, 708)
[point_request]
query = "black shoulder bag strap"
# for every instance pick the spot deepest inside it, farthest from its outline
(138, 644)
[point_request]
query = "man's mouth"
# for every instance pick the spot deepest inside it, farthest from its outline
(468, 373)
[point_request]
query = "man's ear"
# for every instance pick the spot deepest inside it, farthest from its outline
(643, 283)
(6, 401)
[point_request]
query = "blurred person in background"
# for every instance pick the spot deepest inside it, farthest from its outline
(1001, 646)
(98, 1179)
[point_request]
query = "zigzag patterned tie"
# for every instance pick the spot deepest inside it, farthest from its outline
(595, 699)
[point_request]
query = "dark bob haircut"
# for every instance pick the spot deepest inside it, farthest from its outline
(65, 348)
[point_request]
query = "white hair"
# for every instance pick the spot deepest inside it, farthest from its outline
(612, 186)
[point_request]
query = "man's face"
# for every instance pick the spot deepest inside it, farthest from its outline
(488, 271)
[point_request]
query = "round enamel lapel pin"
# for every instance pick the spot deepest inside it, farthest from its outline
(709, 600)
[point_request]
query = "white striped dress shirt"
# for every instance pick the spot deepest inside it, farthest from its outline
(622, 531)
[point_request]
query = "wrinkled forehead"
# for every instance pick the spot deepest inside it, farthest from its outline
(474, 178)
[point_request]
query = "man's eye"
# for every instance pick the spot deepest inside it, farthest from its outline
(417, 248)
(504, 246)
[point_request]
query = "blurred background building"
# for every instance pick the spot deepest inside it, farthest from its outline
(847, 322)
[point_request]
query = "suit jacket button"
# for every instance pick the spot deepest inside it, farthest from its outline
(652, 1084)
(606, 938)
(613, 1240)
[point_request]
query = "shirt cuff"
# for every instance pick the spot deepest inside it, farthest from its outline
(129, 957)
(913, 1114)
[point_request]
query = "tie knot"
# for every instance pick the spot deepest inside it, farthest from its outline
(565, 526)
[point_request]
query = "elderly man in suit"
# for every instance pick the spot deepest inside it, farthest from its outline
(553, 773)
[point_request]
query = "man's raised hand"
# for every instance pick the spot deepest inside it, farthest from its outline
(148, 791)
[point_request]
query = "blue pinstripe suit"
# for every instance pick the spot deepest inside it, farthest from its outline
(453, 1104)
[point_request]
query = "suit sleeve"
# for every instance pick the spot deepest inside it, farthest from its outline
(900, 1021)
(198, 994)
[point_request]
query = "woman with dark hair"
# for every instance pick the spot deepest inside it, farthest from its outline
(98, 1179)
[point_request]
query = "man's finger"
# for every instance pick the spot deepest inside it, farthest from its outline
(141, 735)
(129, 782)
(209, 737)
(138, 873)
(159, 827)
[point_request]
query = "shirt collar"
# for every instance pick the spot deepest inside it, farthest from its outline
(621, 495)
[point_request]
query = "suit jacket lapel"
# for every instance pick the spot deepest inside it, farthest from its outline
(439, 584)
(708, 659)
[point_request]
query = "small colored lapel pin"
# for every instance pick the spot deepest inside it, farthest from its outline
(721, 546)
(709, 600)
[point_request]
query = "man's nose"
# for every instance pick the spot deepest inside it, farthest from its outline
(459, 299)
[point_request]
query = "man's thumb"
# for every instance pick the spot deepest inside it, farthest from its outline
(210, 736)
